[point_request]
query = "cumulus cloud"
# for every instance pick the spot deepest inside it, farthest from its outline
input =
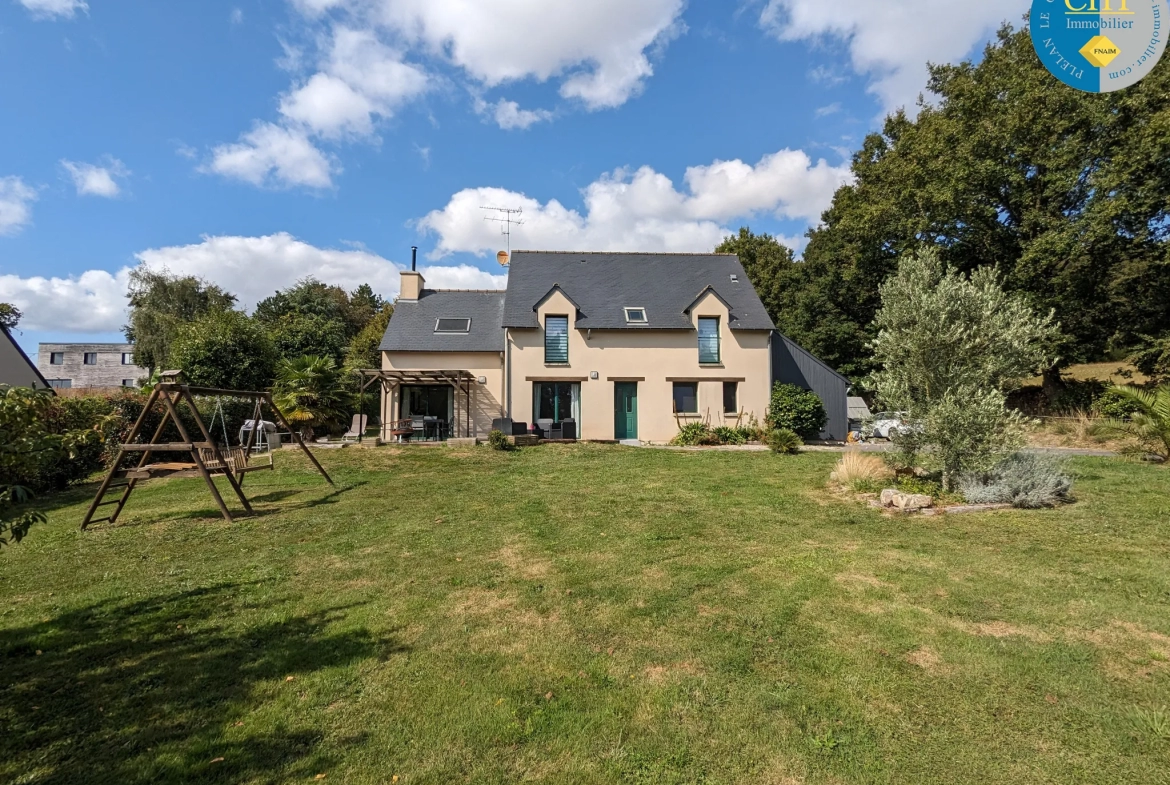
(273, 156)
(892, 41)
(361, 79)
(16, 200)
(508, 114)
(95, 180)
(643, 210)
(50, 9)
(359, 73)
(252, 268)
(599, 49)
(93, 302)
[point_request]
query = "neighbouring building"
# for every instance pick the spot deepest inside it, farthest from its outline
(67, 365)
(16, 369)
(627, 346)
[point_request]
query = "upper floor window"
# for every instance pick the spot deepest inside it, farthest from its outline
(56, 358)
(90, 358)
(453, 326)
(556, 340)
(636, 316)
(708, 340)
(127, 358)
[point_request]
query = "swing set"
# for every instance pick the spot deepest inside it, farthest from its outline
(208, 458)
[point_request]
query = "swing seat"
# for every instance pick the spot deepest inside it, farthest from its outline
(234, 457)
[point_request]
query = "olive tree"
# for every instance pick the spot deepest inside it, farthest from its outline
(949, 347)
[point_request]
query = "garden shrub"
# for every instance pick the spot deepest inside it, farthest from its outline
(784, 441)
(497, 440)
(796, 409)
(695, 434)
(1023, 480)
(729, 435)
(1115, 406)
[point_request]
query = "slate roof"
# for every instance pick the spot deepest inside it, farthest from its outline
(412, 328)
(602, 285)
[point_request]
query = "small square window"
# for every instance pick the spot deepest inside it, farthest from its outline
(730, 398)
(686, 398)
(636, 316)
(127, 358)
(453, 325)
(90, 358)
(128, 383)
(56, 358)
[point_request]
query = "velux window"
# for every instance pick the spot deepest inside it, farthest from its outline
(636, 316)
(556, 340)
(453, 326)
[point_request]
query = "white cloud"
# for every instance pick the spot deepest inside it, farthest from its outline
(599, 48)
(94, 180)
(508, 114)
(892, 41)
(16, 200)
(237, 16)
(93, 302)
(270, 155)
(825, 111)
(360, 79)
(643, 211)
(250, 267)
(48, 9)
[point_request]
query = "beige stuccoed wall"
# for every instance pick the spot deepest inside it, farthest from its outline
(651, 355)
(486, 399)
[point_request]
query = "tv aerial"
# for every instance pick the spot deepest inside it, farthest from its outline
(509, 217)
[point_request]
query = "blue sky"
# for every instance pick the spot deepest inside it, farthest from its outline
(259, 141)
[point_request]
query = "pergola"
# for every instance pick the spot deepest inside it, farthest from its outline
(389, 380)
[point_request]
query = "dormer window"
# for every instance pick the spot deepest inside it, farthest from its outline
(457, 326)
(636, 316)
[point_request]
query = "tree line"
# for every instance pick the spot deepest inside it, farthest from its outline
(1064, 194)
(188, 323)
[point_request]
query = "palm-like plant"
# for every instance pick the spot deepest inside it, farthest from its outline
(310, 394)
(1149, 427)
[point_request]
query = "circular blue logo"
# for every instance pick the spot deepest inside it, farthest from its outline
(1100, 45)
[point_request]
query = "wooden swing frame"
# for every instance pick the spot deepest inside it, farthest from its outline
(206, 456)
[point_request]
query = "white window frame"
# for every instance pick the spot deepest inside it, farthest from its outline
(645, 316)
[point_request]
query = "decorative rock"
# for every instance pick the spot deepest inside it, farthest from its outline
(906, 502)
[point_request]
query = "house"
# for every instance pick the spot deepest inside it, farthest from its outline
(628, 346)
(89, 364)
(16, 369)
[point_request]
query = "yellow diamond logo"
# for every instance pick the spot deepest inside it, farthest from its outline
(1100, 51)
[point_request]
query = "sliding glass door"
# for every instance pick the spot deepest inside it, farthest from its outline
(556, 401)
(428, 401)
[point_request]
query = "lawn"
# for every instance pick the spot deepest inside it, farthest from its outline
(587, 614)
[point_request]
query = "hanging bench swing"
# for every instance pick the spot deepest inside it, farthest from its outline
(207, 458)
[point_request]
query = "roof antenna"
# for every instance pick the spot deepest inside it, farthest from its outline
(509, 217)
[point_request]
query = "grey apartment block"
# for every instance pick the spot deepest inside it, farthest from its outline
(89, 364)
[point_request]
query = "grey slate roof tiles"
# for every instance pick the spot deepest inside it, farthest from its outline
(412, 328)
(602, 285)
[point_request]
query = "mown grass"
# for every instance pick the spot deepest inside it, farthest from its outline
(587, 614)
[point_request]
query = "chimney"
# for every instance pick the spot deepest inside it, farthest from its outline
(412, 285)
(414, 258)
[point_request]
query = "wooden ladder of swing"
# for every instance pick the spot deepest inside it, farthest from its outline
(206, 458)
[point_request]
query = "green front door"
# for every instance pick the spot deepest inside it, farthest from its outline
(625, 410)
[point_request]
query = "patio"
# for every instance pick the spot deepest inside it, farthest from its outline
(421, 405)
